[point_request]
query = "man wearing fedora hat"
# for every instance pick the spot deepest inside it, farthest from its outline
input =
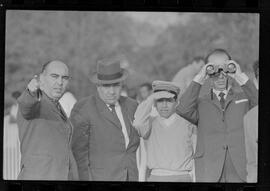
(105, 142)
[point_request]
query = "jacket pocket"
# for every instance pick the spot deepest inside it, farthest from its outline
(37, 162)
(36, 167)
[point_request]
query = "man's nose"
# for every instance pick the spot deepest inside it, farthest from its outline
(111, 89)
(221, 75)
(59, 81)
(164, 103)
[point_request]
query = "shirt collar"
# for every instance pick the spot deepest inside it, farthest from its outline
(116, 105)
(55, 101)
(217, 92)
(168, 121)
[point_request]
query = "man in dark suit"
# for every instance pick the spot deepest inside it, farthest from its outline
(44, 130)
(105, 142)
(220, 153)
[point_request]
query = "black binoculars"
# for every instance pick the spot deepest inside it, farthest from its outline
(229, 67)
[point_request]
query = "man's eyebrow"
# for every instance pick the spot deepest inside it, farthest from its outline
(53, 74)
(59, 75)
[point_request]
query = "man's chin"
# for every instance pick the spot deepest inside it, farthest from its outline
(164, 115)
(57, 95)
(110, 101)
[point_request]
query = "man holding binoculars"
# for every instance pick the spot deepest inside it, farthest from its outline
(220, 151)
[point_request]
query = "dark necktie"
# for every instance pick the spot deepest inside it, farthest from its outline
(222, 100)
(63, 115)
(112, 107)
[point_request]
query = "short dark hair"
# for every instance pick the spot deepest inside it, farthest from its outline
(255, 67)
(46, 64)
(217, 51)
(147, 84)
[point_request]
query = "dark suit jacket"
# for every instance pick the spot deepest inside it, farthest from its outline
(98, 143)
(218, 130)
(45, 140)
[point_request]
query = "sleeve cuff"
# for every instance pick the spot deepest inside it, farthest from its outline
(241, 79)
(198, 79)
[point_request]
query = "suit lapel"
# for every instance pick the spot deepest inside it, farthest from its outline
(215, 100)
(62, 113)
(229, 98)
(55, 109)
(51, 106)
(106, 113)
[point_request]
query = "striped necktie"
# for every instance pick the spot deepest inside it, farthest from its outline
(222, 100)
(63, 115)
(112, 107)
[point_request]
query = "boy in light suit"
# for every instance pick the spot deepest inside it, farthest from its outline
(168, 136)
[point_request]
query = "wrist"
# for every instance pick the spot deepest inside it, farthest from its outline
(199, 79)
(31, 93)
(241, 78)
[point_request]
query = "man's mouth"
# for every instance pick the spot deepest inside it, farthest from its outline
(58, 89)
(164, 110)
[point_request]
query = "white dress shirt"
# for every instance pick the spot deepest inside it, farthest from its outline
(217, 92)
(121, 119)
(168, 121)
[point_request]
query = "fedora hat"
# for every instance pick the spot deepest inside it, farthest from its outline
(109, 72)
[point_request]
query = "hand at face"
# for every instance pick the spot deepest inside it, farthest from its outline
(202, 75)
(34, 84)
(240, 77)
(238, 70)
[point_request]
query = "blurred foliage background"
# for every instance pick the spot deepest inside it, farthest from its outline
(154, 45)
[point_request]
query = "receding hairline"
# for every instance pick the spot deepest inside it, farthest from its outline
(47, 64)
(217, 51)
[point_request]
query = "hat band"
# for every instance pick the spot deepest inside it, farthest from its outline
(110, 76)
(170, 91)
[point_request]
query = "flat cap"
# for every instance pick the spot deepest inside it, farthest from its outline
(165, 86)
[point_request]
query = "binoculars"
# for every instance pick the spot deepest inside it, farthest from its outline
(229, 67)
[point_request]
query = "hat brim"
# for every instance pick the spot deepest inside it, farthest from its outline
(163, 94)
(95, 79)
